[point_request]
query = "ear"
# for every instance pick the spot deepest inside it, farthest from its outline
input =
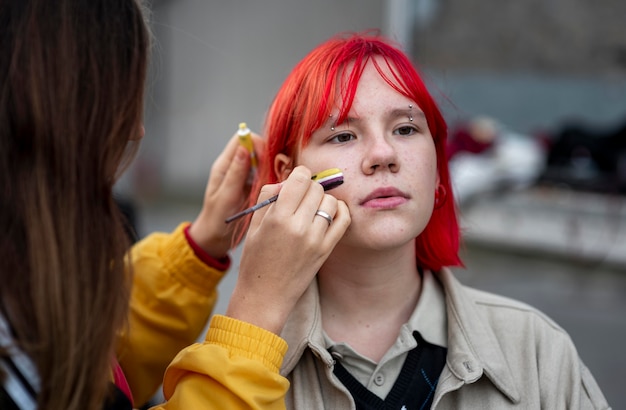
(283, 165)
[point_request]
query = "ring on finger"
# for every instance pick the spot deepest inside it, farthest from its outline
(324, 215)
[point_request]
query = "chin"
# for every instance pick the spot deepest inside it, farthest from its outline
(384, 233)
(387, 240)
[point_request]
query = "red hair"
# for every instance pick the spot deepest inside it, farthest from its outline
(307, 98)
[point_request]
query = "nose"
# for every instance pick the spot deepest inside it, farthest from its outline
(380, 155)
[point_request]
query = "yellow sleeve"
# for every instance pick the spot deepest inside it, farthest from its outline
(236, 367)
(172, 297)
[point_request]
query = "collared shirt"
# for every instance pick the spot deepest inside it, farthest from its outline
(502, 354)
(428, 318)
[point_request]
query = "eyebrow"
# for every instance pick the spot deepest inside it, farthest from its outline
(408, 112)
(417, 114)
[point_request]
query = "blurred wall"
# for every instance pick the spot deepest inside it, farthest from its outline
(531, 65)
(218, 63)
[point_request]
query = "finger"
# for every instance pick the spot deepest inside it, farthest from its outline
(233, 186)
(266, 193)
(338, 228)
(220, 167)
(327, 209)
(295, 189)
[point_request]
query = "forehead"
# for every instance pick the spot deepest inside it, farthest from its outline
(377, 87)
(373, 75)
(335, 95)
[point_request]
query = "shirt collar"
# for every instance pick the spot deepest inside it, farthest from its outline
(472, 346)
(304, 327)
(429, 317)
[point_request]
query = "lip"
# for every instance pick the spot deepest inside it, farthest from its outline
(385, 198)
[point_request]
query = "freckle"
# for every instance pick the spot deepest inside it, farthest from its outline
(259, 276)
(367, 326)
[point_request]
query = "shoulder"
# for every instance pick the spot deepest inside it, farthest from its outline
(517, 345)
(510, 320)
(494, 305)
(526, 336)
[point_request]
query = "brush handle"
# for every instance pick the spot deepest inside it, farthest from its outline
(327, 183)
(252, 209)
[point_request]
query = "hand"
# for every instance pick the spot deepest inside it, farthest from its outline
(286, 245)
(226, 192)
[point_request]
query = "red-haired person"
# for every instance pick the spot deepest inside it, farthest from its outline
(385, 324)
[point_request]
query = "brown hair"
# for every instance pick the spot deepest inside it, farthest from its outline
(72, 76)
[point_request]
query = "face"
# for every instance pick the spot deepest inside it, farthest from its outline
(388, 158)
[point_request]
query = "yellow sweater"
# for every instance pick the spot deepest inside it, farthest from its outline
(172, 298)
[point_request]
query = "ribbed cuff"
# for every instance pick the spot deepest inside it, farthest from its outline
(246, 340)
(219, 264)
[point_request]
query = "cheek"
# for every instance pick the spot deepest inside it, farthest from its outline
(318, 161)
(421, 156)
(423, 175)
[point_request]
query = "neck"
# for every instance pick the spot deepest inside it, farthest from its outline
(364, 295)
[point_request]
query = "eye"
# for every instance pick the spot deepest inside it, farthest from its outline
(341, 138)
(406, 130)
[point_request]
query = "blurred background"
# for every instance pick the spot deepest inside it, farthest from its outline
(534, 93)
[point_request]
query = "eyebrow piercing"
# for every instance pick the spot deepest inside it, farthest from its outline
(411, 116)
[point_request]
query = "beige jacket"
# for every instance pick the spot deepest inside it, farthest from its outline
(501, 354)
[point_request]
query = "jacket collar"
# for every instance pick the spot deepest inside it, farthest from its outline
(472, 347)
(304, 329)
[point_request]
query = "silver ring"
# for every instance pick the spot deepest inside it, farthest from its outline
(324, 215)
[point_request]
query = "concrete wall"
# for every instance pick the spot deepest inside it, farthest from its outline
(530, 64)
(559, 37)
(217, 63)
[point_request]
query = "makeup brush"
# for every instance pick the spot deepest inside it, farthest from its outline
(329, 179)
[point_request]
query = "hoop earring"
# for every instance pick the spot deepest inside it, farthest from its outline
(440, 196)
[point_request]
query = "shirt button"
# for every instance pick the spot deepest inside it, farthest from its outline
(379, 379)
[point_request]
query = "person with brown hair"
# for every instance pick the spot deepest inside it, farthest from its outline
(71, 104)
(72, 76)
